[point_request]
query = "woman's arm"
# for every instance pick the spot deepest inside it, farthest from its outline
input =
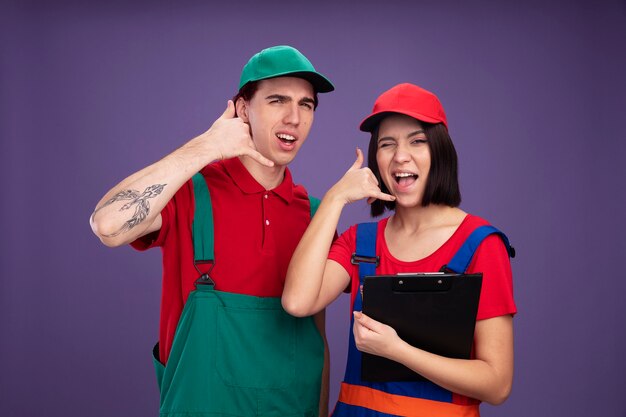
(312, 281)
(488, 377)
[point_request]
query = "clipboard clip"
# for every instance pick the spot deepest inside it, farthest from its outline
(357, 259)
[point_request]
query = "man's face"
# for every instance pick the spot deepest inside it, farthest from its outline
(280, 115)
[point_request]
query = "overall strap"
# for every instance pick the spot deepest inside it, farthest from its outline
(365, 254)
(365, 257)
(461, 260)
(202, 229)
(315, 203)
(202, 226)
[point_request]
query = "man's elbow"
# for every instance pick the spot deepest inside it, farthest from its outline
(104, 231)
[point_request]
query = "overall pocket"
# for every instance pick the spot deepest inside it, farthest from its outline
(256, 347)
(159, 368)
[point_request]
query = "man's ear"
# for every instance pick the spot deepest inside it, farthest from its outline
(242, 109)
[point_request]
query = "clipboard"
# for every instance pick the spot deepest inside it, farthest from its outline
(435, 312)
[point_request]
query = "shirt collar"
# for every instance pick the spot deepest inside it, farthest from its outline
(246, 182)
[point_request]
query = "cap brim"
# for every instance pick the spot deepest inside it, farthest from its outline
(320, 83)
(369, 123)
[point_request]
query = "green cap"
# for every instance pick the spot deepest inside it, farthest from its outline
(283, 61)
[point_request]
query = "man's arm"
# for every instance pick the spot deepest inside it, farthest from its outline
(132, 208)
(320, 322)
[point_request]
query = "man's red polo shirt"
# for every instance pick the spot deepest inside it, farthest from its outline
(256, 232)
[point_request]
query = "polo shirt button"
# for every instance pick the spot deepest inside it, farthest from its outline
(265, 196)
(267, 222)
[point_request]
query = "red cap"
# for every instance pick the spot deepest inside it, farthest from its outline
(407, 99)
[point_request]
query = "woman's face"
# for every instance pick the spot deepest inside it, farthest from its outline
(403, 158)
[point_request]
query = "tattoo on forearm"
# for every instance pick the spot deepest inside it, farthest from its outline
(140, 200)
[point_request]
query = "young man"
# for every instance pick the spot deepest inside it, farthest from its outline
(226, 347)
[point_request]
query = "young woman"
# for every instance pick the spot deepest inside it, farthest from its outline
(413, 173)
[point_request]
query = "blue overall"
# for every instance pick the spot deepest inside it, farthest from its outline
(365, 257)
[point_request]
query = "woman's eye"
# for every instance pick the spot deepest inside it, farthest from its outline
(418, 141)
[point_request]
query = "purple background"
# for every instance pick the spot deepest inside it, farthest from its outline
(90, 92)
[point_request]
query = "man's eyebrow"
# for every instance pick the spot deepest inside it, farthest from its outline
(307, 100)
(278, 96)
